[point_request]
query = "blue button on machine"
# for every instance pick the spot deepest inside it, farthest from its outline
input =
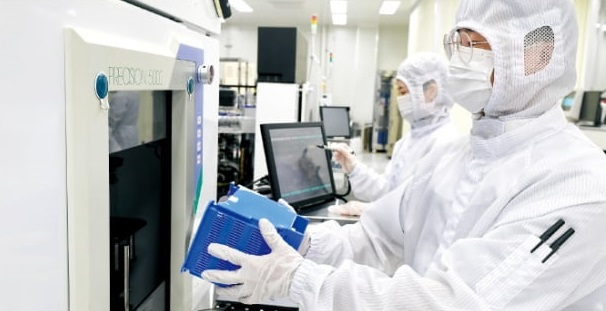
(101, 85)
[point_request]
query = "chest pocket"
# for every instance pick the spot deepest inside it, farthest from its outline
(515, 273)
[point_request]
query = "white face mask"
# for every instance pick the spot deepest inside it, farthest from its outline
(426, 109)
(469, 82)
(405, 107)
(407, 112)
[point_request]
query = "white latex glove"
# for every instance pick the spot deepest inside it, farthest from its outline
(351, 208)
(344, 155)
(304, 246)
(284, 203)
(259, 277)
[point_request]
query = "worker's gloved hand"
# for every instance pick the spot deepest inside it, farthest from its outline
(304, 246)
(343, 154)
(351, 208)
(259, 277)
(284, 203)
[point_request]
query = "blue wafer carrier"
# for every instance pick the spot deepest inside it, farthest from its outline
(235, 223)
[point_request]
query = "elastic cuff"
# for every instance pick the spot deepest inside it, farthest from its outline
(305, 243)
(356, 170)
(316, 248)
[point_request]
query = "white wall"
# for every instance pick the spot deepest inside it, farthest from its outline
(599, 72)
(354, 69)
(239, 42)
(393, 47)
(429, 21)
(591, 56)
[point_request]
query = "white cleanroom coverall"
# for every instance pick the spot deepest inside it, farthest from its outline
(513, 219)
(458, 233)
(368, 185)
(424, 74)
(470, 250)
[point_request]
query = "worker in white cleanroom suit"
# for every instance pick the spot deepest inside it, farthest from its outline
(513, 220)
(423, 101)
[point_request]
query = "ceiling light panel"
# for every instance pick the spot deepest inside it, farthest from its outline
(338, 7)
(389, 7)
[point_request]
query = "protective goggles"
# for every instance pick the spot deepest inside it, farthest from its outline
(460, 41)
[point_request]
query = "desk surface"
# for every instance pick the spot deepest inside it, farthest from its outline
(226, 305)
(322, 213)
(595, 134)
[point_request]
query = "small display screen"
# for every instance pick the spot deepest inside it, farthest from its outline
(590, 109)
(568, 101)
(336, 121)
(299, 170)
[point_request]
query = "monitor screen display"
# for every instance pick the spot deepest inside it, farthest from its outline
(336, 121)
(590, 109)
(568, 101)
(299, 171)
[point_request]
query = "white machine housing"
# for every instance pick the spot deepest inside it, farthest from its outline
(54, 228)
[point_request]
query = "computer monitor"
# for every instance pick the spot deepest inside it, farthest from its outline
(591, 110)
(571, 104)
(299, 171)
(336, 121)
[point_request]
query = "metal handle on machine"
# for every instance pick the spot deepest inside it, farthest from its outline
(126, 278)
(206, 74)
(117, 257)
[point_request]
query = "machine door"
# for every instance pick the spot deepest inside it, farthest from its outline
(134, 123)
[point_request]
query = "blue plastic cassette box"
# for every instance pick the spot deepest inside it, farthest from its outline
(235, 223)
